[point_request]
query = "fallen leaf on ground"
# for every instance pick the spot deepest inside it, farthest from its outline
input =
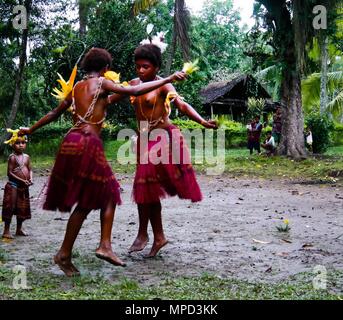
(259, 241)
(282, 254)
(269, 270)
(287, 241)
(307, 245)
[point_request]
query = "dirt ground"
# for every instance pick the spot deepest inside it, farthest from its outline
(232, 233)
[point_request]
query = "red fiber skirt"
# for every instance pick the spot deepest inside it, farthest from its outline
(173, 177)
(81, 175)
(19, 207)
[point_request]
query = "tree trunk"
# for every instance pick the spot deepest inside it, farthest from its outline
(172, 51)
(324, 75)
(83, 8)
(19, 77)
(292, 136)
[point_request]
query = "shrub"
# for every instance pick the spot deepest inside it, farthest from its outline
(321, 127)
(337, 135)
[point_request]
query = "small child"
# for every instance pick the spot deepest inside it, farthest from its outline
(16, 195)
(269, 145)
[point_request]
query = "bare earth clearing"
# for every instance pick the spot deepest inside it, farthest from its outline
(232, 233)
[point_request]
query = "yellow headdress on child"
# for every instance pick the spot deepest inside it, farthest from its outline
(14, 137)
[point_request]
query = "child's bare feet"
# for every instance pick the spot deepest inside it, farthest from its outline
(109, 256)
(21, 233)
(66, 266)
(156, 247)
(7, 235)
(139, 244)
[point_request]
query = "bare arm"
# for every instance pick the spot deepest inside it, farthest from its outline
(113, 98)
(190, 112)
(30, 169)
(50, 117)
(136, 90)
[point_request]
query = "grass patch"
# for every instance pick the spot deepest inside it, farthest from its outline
(205, 287)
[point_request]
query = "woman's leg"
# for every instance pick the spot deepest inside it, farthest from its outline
(105, 248)
(142, 238)
(157, 227)
(63, 256)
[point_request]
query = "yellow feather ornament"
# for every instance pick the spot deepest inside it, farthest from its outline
(66, 86)
(190, 67)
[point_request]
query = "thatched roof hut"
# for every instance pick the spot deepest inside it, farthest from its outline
(231, 96)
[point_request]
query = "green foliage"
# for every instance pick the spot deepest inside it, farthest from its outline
(255, 107)
(321, 127)
(337, 135)
(311, 93)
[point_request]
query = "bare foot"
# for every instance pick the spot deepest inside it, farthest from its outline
(156, 247)
(110, 257)
(138, 244)
(66, 266)
(76, 271)
(7, 236)
(21, 233)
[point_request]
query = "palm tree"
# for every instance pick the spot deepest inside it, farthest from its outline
(20, 75)
(291, 23)
(312, 93)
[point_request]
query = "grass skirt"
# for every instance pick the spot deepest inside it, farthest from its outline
(175, 177)
(81, 175)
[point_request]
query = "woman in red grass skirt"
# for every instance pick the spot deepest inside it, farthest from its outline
(170, 178)
(81, 174)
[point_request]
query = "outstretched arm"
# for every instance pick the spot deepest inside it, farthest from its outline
(50, 117)
(190, 112)
(136, 90)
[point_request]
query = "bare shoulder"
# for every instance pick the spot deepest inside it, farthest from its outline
(168, 88)
(11, 157)
(134, 82)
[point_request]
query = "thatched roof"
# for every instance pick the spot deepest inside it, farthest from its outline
(237, 86)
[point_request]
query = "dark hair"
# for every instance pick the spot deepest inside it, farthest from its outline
(96, 59)
(269, 132)
(149, 52)
(257, 117)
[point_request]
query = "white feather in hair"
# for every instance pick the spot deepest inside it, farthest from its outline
(157, 41)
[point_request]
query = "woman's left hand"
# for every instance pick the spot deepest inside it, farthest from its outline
(211, 124)
(24, 131)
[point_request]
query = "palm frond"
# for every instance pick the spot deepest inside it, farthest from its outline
(335, 107)
(336, 76)
(311, 92)
(142, 5)
(267, 73)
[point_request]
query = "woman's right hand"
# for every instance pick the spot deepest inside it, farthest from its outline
(178, 76)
